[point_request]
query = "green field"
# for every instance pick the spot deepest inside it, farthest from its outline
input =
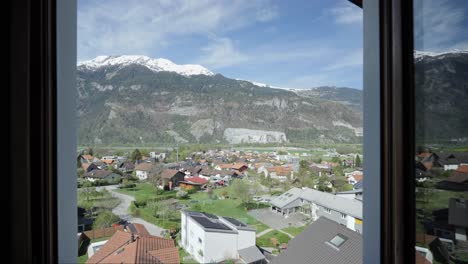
(265, 240)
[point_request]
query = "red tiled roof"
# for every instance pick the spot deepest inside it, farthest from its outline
(144, 249)
(463, 169)
(420, 259)
(198, 180)
(88, 157)
(238, 165)
(107, 161)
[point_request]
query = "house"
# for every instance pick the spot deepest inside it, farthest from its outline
(95, 165)
(212, 239)
(85, 158)
(193, 183)
(136, 246)
(324, 241)
(281, 173)
(321, 169)
(313, 203)
(352, 194)
(125, 167)
(143, 169)
(458, 181)
(102, 175)
(171, 178)
(160, 156)
(353, 177)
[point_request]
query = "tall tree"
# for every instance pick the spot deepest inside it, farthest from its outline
(357, 161)
(241, 190)
(90, 151)
(136, 155)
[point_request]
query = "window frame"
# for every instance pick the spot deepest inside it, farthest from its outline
(42, 71)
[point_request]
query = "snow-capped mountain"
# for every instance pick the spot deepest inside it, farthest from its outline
(421, 54)
(155, 65)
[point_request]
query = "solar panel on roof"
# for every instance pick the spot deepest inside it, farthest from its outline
(205, 222)
(234, 221)
(212, 216)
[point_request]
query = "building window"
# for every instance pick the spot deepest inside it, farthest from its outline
(343, 216)
(200, 240)
(327, 210)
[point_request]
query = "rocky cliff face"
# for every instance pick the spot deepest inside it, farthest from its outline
(133, 103)
(441, 96)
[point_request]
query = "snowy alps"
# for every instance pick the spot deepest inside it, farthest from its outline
(155, 65)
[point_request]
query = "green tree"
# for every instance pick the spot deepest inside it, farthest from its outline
(90, 151)
(105, 219)
(357, 161)
(241, 190)
(136, 155)
(87, 189)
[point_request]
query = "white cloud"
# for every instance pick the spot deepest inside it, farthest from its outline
(354, 58)
(142, 26)
(438, 25)
(222, 53)
(346, 13)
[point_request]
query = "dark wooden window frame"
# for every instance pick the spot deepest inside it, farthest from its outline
(36, 203)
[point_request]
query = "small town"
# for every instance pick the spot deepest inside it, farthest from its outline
(248, 206)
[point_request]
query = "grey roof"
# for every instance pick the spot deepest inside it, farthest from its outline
(358, 185)
(251, 254)
(312, 245)
(292, 198)
(350, 192)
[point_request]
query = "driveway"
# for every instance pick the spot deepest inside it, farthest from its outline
(122, 211)
(277, 221)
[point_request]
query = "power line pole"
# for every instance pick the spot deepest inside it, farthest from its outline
(177, 152)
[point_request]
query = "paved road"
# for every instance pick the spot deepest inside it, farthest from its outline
(122, 211)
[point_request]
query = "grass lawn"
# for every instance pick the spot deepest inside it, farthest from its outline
(226, 207)
(91, 198)
(143, 191)
(264, 241)
(439, 199)
(294, 230)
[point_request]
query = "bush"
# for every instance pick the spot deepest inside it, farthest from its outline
(196, 207)
(250, 206)
(192, 191)
(182, 194)
(140, 202)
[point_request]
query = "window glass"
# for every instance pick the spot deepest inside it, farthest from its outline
(441, 87)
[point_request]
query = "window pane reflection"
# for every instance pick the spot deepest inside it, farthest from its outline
(441, 84)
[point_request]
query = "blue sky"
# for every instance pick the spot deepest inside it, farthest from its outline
(297, 44)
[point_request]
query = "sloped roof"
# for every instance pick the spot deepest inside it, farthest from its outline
(99, 174)
(168, 173)
(251, 254)
(348, 206)
(144, 166)
(312, 246)
(198, 180)
(144, 249)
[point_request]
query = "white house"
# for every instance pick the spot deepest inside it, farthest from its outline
(212, 239)
(142, 170)
(315, 204)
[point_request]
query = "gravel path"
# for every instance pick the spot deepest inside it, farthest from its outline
(122, 211)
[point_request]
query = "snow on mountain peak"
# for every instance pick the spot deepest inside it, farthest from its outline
(155, 65)
(419, 54)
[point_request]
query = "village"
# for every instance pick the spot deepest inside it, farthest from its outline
(247, 206)
(264, 198)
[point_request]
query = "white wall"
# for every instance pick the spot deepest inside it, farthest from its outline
(142, 175)
(219, 246)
